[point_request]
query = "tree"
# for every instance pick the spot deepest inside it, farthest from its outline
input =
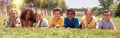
(106, 3)
(117, 13)
(48, 4)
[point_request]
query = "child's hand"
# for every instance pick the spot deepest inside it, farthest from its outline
(57, 26)
(38, 20)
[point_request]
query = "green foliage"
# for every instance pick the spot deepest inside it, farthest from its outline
(117, 13)
(97, 11)
(113, 8)
(106, 3)
(48, 4)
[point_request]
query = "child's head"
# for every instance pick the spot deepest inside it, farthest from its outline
(57, 13)
(13, 13)
(70, 13)
(27, 14)
(106, 15)
(88, 13)
(39, 15)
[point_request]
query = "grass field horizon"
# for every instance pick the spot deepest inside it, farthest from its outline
(58, 32)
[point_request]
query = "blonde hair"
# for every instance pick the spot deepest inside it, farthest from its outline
(13, 9)
(88, 9)
(38, 11)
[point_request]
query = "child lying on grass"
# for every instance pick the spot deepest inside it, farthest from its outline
(57, 19)
(71, 21)
(105, 22)
(40, 21)
(13, 20)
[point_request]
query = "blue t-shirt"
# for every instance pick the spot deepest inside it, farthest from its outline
(104, 25)
(74, 23)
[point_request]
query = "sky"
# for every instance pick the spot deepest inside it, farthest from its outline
(82, 3)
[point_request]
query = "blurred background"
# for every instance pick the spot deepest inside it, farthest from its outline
(47, 6)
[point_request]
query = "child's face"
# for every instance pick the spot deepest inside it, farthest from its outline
(12, 14)
(106, 16)
(56, 14)
(27, 16)
(38, 17)
(88, 15)
(70, 15)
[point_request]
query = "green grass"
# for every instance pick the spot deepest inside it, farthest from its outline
(57, 32)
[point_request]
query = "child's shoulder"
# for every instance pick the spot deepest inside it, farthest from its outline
(76, 18)
(65, 17)
(44, 19)
(101, 19)
(111, 20)
(7, 20)
(83, 17)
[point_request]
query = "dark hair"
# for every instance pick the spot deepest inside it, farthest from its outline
(106, 11)
(24, 12)
(58, 10)
(88, 9)
(71, 10)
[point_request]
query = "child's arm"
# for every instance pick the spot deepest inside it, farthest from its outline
(94, 27)
(99, 27)
(65, 23)
(114, 28)
(37, 24)
(76, 23)
(62, 23)
(83, 25)
(16, 22)
(9, 24)
(100, 24)
(113, 25)
(46, 23)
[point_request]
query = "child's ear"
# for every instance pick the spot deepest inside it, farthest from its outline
(110, 16)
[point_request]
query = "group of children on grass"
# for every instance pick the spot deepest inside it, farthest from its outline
(29, 18)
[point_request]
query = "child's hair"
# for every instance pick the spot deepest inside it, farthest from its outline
(13, 9)
(71, 10)
(58, 10)
(88, 9)
(24, 12)
(106, 11)
(38, 11)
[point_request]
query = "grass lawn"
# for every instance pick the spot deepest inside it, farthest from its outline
(57, 32)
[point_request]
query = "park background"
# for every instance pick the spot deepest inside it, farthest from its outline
(46, 6)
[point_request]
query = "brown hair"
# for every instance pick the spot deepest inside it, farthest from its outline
(71, 10)
(24, 12)
(106, 11)
(58, 10)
